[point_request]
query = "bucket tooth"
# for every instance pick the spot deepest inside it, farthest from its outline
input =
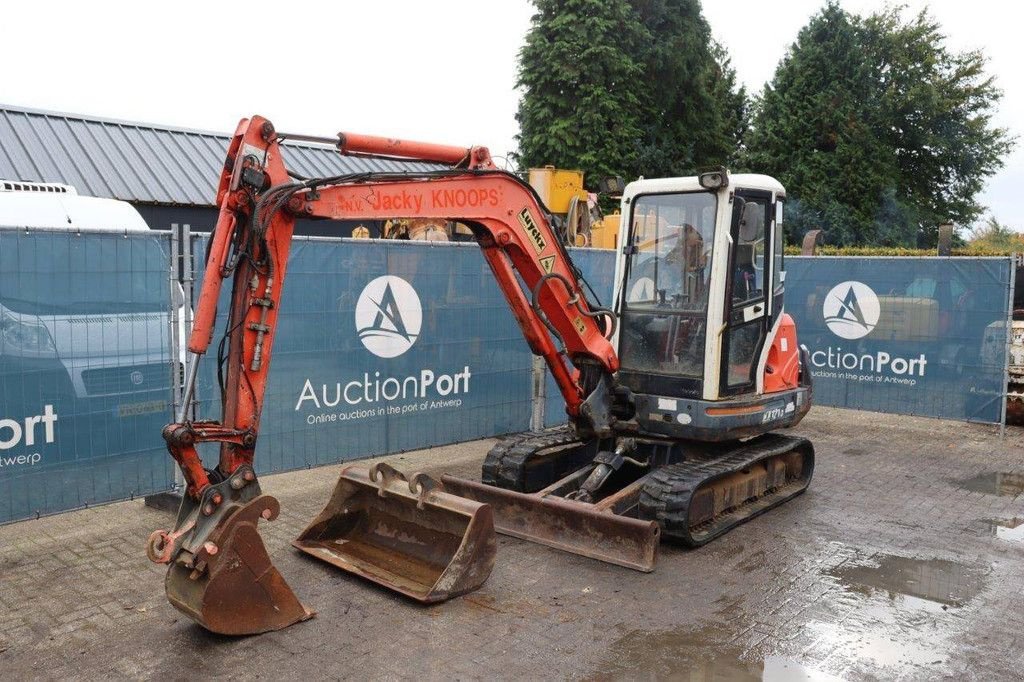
(229, 585)
(408, 535)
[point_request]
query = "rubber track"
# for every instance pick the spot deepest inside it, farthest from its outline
(506, 464)
(666, 495)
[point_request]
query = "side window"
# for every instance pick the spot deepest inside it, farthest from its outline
(751, 235)
(780, 244)
(749, 275)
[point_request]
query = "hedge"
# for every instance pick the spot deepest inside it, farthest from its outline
(896, 251)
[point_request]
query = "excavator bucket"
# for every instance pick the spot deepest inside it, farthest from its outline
(408, 535)
(228, 584)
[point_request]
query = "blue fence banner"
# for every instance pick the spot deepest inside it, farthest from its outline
(920, 336)
(85, 369)
(385, 346)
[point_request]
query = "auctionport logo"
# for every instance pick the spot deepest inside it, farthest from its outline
(851, 310)
(388, 316)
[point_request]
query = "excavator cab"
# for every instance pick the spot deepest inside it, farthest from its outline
(700, 307)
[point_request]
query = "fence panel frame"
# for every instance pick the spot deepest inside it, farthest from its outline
(109, 472)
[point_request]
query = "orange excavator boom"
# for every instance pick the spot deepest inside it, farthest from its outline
(259, 202)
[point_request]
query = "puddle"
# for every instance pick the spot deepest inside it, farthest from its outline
(1005, 484)
(879, 639)
(894, 614)
(941, 582)
(901, 611)
(1006, 529)
(696, 655)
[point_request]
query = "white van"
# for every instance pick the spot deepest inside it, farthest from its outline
(86, 321)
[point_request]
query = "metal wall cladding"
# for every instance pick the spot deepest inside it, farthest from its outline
(921, 336)
(385, 346)
(145, 163)
(85, 369)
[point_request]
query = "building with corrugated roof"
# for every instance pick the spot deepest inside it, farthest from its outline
(169, 174)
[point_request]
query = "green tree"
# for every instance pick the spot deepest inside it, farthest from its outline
(734, 105)
(878, 131)
(626, 87)
(809, 131)
(693, 113)
(935, 109)
(582, 84)
(994, 236)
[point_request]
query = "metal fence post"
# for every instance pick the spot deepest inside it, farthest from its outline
(170, 500)
(539, 375)
(187, 284)
(172, 318)
(1009, 342)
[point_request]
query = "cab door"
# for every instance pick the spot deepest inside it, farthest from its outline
(747, 307)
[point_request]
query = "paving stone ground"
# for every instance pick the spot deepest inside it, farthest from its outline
(890, 567)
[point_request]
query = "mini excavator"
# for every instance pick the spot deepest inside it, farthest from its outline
(673, 395)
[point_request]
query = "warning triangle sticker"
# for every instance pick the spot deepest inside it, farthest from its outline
(547, 263)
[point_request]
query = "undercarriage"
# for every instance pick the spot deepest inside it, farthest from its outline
(613, 499)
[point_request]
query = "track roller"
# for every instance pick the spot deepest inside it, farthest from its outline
(697, 500)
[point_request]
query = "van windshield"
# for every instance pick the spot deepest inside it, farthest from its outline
(61, 273)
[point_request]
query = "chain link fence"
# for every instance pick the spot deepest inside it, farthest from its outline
(918, 336)
(385, 346)
(85, 368)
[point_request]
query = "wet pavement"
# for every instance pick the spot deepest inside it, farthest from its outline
(695, 655)
(1007, 529)
(903, 561)
(1005, 483)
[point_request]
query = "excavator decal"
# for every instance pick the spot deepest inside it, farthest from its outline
(458, 198)
(526, 220)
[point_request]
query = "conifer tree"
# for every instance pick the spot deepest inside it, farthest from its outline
(877, 130)
(626, 87)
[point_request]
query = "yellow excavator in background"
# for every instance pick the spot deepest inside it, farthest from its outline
(562, 191)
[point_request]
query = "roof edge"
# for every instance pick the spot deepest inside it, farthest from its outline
(86, 118)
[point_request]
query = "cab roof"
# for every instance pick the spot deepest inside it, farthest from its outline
(692, 184)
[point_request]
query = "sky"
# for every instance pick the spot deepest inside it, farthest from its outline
(438, 70)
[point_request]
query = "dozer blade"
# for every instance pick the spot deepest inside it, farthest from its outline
(408, 535)
(567, 525)
(229, 586)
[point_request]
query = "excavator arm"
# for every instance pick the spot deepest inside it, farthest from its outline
(259, 201)
(220, 573)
